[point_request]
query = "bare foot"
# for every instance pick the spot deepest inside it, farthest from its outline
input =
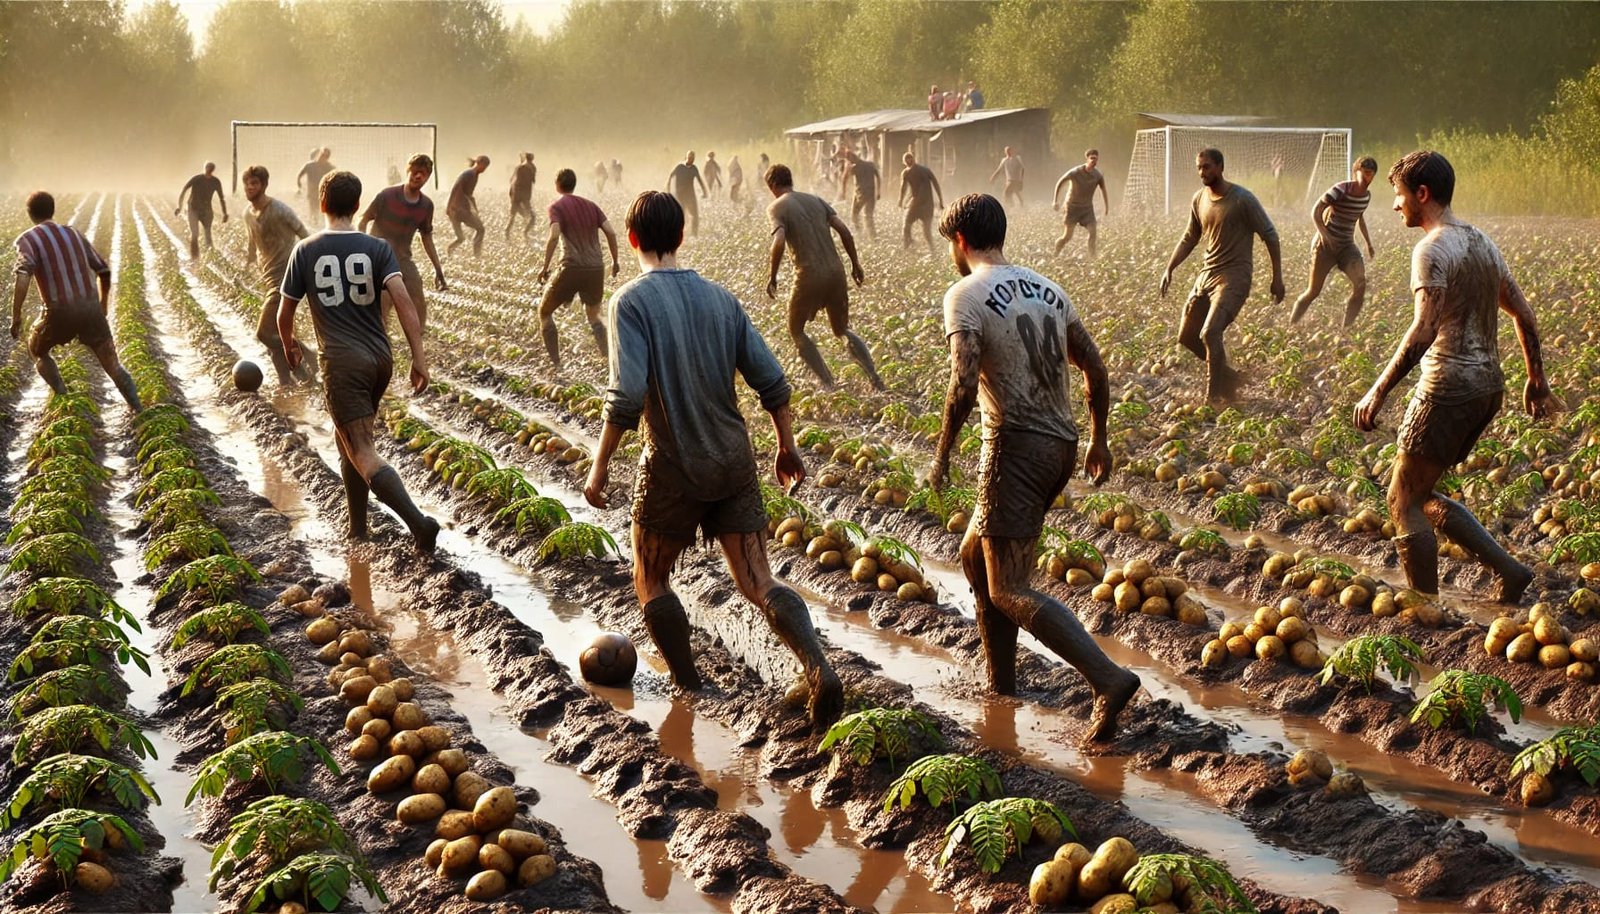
(1107, 705)
(428, 537)
(1510, 589)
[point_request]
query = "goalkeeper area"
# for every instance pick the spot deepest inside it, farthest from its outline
(1285, 167)
(377, 153)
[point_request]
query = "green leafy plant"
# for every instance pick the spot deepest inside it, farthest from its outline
(169, 481)
(887, 732)
(1575, 748)
(236, 663)
(219, 624)
(1212, 888)
(943, 502)
(1332, 568)
(255, 705)
(1203, 539)
(75, 503)
(897, 550)
(62, 837)
(502, 485)
(69, 728)
(1059, 541)
(779, 506)
(63, 596)
(171, 458)
(538, 512)
(573, 539)
(216, 577)
(70, 640)
(274, 757)
(53, 555)
(189, 542)
(181, 505)
(1463, 698)
(79, 684)
(66, 781)
(45, 447)
(1577, 547)
(1100, 502)
(321, 879)
(277, 829)
(944, 779)
(41, 523)
(163, 420)
(79, 464)
(1237, 509)
(995, 829)
(1360, 659)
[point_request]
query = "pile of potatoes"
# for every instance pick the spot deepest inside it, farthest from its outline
(1099, 880)
(1273, 634)
(1128, 517)
(541, 440)
(1357, 593)
(1210, 483)
(1552, 518)
(868, 564)
(1313, 768)
(879, 492)
(1074, 570)
(1135, 587)
(1541, 638)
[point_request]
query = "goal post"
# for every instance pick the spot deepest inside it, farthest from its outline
(376, 152)
(1282, 166)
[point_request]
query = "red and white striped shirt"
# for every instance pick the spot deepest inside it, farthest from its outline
(62, 261)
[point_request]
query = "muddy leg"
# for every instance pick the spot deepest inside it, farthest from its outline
(1410, 486)
(597, 327)
(1463, 528)
(547, 326)
(863, 357)
(999, 632)
(106, 352)
(1222, 382)
(664, 617)
(1319, 275)
(808, 349)
(1358, 292)
(356, 440)
(1093, 238)
(355, 494)
(45, 364)
(1066, 236)
(1190, 322)
(267, 333)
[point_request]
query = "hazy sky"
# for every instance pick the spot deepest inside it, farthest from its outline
(540, 15)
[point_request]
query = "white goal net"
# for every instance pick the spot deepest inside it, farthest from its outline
(1282, 166)
(377, 153)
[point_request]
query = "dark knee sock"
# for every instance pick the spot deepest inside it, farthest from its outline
(51, 372)
(1058, 629)
(1458, 523)
(814, 361)
(790, 619)
(552, 341)
(668, 625)
(130, 390)
(355, 493)
(386, 485)
(1419, 559)
(863, 357)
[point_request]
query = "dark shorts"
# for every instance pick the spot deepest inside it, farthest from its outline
(468, 219)
(587, 283)
(690, 203)
(861, 202)
(1019, 476)
(354, 384)
(814, 293)
(668, 505)
(1346, 257)
(1215, 299)
(1080, 215)
(1446, 433)
(919, 212)
(522, 208)
(62, 323)
(412, 278)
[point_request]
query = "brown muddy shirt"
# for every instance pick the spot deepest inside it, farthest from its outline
(804, 220)
(1228, 227)
(866, 178)
(398, 220)
(1020, 319)
(461, 202)
(676, 342)
(201, 187)
(274, 231)
(1463, 362)
(522, 178)
(1347, 201)
(1081, 184)
(918, 179)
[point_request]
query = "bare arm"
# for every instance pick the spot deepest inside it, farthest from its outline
(19, 294)
(1536, 393)
(938, 192)
(406, 310)
(1185, 247)
(958, 401)
(697, 180)
(1275, 251)
(1361, 223)
(181, 194)
(594, 490)
(291, 348)
(1055, 196)
(789, 467)
(1319, 214)
(611, 242)
(775, 258)
(1424, 328)
(996, 173)
(105, 293)
(849, 242)
(433, 257)
(550, 249)
(1105, 196)
(1084, 354)
(222, 200)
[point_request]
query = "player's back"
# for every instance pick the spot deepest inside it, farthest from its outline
(919, 179)
(339, 274)
(805, 220)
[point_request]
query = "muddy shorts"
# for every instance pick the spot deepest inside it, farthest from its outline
(817, 292)
(860, 203)
(667, 504)
(1078, 214)
(1013, 187)
(62, 323)
(354, 383)
(1445, 433)
(586, 283)
(412, 277)
(469, 219)
(1345, 257)
(1215, 297)
(522, 208)
(1019, 476)
(690, 203)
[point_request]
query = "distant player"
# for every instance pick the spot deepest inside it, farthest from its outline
(803, 224)
(735, 180)
(762, 164)
(311, 175)
(1336, 217)
(75, 284)
(462, 207)
(272, 228)
(1227, 218)
(200, 189)
(398, 214)
(713, 173)
(340, 272)
(522, 178)
(1081, 181)
(616, 173)
(577, 223)
(601, 175)
(923, 185)
(1010, 166)
(1460, 283)
(867, 191)
(681, 182)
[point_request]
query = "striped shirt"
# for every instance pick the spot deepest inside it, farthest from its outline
(1346, 201)
(62, 261)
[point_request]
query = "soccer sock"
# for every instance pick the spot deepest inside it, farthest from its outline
(386, 485)
(51, 373)
(130, 390)
(1419, 559)
(863, 357)
(791, 620)
(552, 341)
(668, 625)
(813, 359)
(355, 493)
(1463, 528)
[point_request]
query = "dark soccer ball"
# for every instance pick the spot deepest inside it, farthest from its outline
(609, 660)
(247, 376)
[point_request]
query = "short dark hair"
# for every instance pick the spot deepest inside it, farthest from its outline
(779, 176)
(420, 160)
(259, 172)
(1090, 152)
(1212, 153)
(566, 180)
(979, 218)
(1426, 168)
(1367, 163)
(656, 220)
(340, 193)
(41, 206)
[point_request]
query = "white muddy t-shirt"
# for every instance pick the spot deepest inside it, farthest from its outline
(1021, 321)
(1463, 362)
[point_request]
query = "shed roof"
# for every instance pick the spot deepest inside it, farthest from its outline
(1206, 120)
(896, 120)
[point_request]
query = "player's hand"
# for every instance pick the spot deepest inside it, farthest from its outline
(1055, 205)
(858, 274)
(291, 353)
(594, 490)
(938, 474)
(1366, 417)
(224, 218)
(1166, 281)
(1277, 290)
(772, 287)
(419, 376)
(438, 280)
(175, 212)
(16, 330)
(616, 269)
(789, 468)
(1097, 464)
(1371, 254)
(1535, 397)
(544, 276)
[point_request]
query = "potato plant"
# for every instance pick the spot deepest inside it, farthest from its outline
(888, 733)
(72, 727)
(996, 829)
(273, 757)
(277, 829)
(944, 780)
(64, 838)
(69, 781)
(1463, 698)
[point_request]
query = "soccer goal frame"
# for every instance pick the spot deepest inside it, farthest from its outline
(431, 128)
(1161, 155)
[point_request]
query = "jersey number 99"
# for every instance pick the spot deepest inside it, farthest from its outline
(353, 283)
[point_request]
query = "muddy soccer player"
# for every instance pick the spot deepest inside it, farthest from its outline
(803, 224)
(867, 191)
(462, 207)
(1227, 218)
(1336, 217)
(399, 214)
(1012, 334)
(75, 284)
(677, 341)
(340, 272)
(1010, 166)
(311, 175)
(577, 224)
(681, 182)
(271, 229)
(522, 178)
(200, 190)
(1460, 283)
(713, 173)
(923, 185)
(1081, 181)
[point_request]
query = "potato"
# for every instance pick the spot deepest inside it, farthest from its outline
(1554, 656)
(1128, 597)
(831, 560)
(322, 631)
(1290, 606)
(790, 525)
(865, 570)
(408, 716)
(1214, 654)
(456, 823)
(356, 641)
(1522, 648)
(494, 809)
(1495, 644)
(403, 689)
(1268, 618)
(1078, 577)
(1137, 571)
(357, 718)
(1074, 852)
(1270, 647)
(1346, 784)
(1384, 605)
(1105, 869)
(1154, 587)
(1105, 593)
(329, 653)
(292, 907)
(434, 738)
(1291, 630)
(453, 761)
(1113, 576)
(1312, 762)
(420, 807)
(1354, 597)
(909, 592)
(356, 690)
(364, 748)
(93, 877)
(1584, 650)
(381, 669)
(1240, 646)
(1306, 656)
(1581, 672)
(1229, 630)
(1120, 903)
(520, 844)
(407, 742)
(1176, 587)
(1277, 565)
(1536, 789)
(495, 857)
(1156, 606)
(461, 854)
(536, 869)
(378, 728)
(431, 779)
(435, 852)
(1548, 631)
(381, 700)
(1255, 631)
(1051, 883)
(393, 774)
(294, 593)
(1505, 627)
(469, 786)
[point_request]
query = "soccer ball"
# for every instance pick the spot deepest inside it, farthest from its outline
(609, 660)
(246, 376)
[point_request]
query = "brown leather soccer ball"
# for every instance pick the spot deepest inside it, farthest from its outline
(246, 376)
(609, 660)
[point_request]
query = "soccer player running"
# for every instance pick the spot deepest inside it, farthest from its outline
(272, 228)
(1081, 182)
(462, 207)
(802, 222)
(339, 272)
(867, 191)
(200, 189)
(1460, 283)
(1227, 218)
(311, 175)
(400, 213)
(1336, 216)
(1011, 333)
(681, 182)
(923, 185)
(75, 284)
(735, 180)
(1010, 166)
(713, 174)
(522, 178)
(676, 342)
(601, 175)
(577, 224)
